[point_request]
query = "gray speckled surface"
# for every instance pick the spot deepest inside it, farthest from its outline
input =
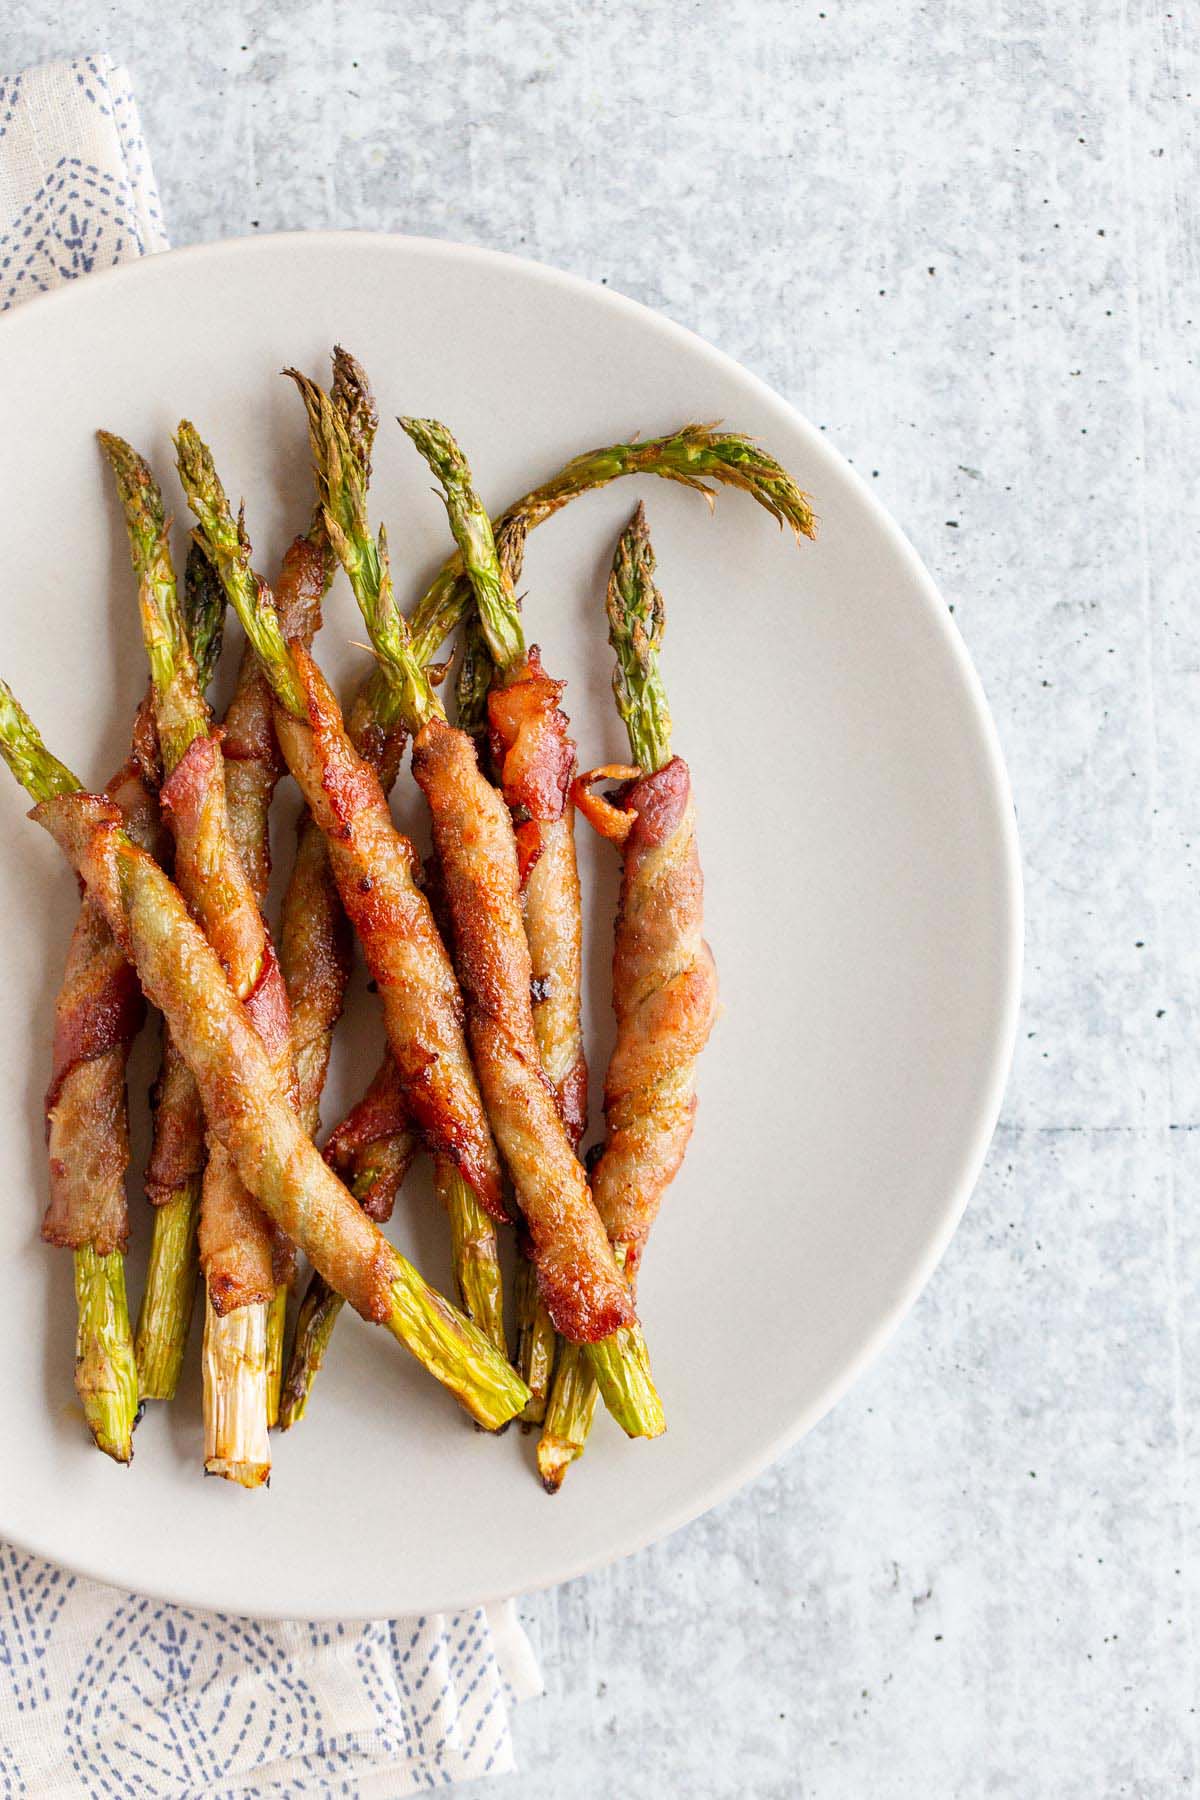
(962, 239)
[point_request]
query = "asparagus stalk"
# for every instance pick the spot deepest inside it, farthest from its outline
(173, 1180)
(342, 476)
(695, 455)
(236, 1350)
(537, 1340)
(181, 974)
(636, 622)
(621, 1362)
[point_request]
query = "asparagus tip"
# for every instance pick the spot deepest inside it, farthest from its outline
(554, 1457)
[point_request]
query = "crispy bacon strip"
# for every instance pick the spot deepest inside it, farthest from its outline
(665, 1000)
(534, 759)
(578, 1278)
(236, 1244)
(375, 871)
(97, 1014)
(314, 951)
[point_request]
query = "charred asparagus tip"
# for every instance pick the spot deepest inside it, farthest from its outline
(569, 1416)
(355, 403)
(105, 1370)
(554, 1458)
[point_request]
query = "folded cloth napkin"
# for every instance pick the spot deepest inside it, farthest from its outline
(107, 1693)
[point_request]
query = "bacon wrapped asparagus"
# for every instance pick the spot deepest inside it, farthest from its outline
(247, 1111)
(477, 853)
(175, 1170)
(98, 1013)
(372, 1150)
(243, 1259)
(664, 978)
(373, 866)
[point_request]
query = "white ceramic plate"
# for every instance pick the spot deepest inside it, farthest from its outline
(862, 900)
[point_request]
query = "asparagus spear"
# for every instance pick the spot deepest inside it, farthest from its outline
(664, 981)
(237, 1244)
(342, 477)
(501, 1019)
(174, 1175)
(98, 1012)
(695, 455)
(372, 864)
(246, 1108)
(535, 759)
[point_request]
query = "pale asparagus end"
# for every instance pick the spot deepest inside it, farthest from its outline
(568, 1418)
(236, 1445)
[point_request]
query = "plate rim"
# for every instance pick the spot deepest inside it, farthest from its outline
(997, 795)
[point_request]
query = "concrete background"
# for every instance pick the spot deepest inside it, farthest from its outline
(963, 240)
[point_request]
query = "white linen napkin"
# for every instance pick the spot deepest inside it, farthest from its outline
(108, 1693)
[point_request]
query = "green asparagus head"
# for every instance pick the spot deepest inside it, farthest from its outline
(491, 583)
(225, 545)
(337, 440)
(163, 624)
(636, 623)
(41, 775)
(695, 455)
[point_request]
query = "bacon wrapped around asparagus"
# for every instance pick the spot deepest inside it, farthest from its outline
(175, 1171)
(374, 1164)
(247, 1111)
(478, 853)
(373, 866)
(244, 1260)
(98, 1013)
(664, 978)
